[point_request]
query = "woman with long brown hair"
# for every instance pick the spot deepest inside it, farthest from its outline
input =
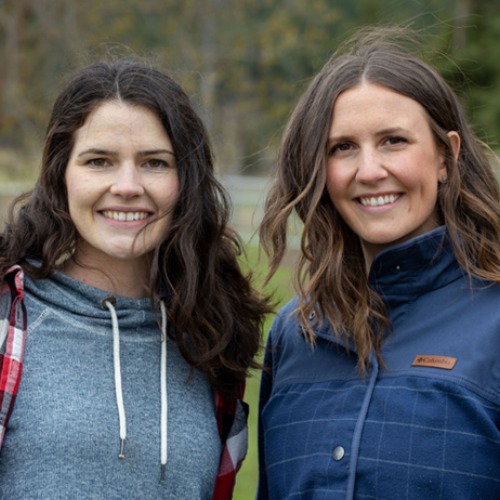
(382, 376)
(123, 303)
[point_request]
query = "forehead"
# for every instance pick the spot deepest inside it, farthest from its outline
(120, 119)
(373, 104)
(115, 107)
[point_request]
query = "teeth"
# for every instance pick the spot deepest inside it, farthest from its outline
(125, 216)
(378, 201)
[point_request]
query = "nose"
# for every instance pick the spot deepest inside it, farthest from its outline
(127, 182)
(370, 168)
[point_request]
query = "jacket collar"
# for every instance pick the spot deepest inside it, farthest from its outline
(403, 272)
(420, 265)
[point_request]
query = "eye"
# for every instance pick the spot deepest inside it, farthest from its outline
(98, 162)
(393, 140)
(341, 147)
(156, 164)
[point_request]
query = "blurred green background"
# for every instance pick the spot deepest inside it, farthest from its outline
(243, 62)
(282, 289)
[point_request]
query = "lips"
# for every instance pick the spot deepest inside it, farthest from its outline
(125, 216)
(378, 201)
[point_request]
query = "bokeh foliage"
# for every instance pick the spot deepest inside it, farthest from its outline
(243, 62)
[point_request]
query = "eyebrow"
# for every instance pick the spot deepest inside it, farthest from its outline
(105, 152)
(393, 130)
(149, 152)
(386, 131)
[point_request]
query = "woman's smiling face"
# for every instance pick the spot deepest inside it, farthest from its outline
(122, 184)
(383, 166)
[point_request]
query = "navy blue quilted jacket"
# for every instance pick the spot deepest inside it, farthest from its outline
(427, 426)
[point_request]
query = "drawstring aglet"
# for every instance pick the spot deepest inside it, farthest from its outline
(162, 474)
(122, 446)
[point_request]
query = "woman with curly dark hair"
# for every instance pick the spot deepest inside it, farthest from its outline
(382, 376)
(124, 304)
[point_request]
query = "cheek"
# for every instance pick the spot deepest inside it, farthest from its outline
(80, 198)
(167, 193)
(430, 195)
(71, 195)
(423, 181)
(336, 185)
(76, 195)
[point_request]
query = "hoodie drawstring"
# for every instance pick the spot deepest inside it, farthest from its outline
(163, 390)
(110, 303)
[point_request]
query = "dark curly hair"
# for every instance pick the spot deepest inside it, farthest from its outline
(215, 313)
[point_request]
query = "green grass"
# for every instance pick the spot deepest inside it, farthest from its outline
(281, 289)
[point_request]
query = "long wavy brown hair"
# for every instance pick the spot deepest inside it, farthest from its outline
(331, 276)
(216, 315)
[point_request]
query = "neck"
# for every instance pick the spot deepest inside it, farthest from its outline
(122, 278)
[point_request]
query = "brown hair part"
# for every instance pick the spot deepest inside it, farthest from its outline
(331, 277)
(215, 314)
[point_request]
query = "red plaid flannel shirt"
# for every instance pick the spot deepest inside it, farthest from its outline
(231, 413)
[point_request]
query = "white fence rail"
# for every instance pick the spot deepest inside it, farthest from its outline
(247, 196)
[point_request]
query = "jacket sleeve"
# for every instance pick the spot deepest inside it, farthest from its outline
(266, 387)
(12, 339)
(232, 421)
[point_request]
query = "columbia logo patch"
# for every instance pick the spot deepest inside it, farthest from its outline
(444, 362)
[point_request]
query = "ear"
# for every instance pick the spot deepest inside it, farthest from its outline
(455, 143)
(454, 138)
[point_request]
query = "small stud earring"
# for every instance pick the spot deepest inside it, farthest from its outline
(443, 179)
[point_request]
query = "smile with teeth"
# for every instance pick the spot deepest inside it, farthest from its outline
(378, 201)
(125, 216)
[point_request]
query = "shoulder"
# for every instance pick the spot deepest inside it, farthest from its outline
(13, 275)
(285, 322)
(12, 312)
(287, 328)
(11, 284)
(286, 342)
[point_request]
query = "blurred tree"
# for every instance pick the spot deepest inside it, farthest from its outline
(244, 63)
(12, 26)
(475, 71)
(36, 39)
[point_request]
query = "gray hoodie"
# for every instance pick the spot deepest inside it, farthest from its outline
(63, 436)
